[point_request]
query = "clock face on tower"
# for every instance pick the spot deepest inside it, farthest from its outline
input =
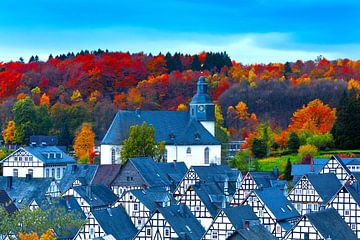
(201, 108)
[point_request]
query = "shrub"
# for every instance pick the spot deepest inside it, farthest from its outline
(259, 148)
(307, 149)
(321, 141)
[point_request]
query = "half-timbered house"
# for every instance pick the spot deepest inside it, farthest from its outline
(28, 190)
(112, 222)
(174, 172)
(256, 232)
(220, 174)
(172, 222)
(229, 220)
(314, 191)
(274, 210)
(347, 202)
(7, 203)
(139, 173)
(77, 175)
(39, 161)
(92, 197)
(205, 201)
(338, 167)
(324, 224)
(255, 180)
(140, 204)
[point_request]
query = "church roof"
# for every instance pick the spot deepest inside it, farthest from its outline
(201, 95)
(173, 127)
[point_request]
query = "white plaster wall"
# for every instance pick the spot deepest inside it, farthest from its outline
(22, 171)
(197, 156)
(210, 126)
(105, 153)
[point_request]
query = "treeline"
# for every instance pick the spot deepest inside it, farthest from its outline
(91, 86)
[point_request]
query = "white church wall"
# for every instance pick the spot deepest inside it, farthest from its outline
(210, 126)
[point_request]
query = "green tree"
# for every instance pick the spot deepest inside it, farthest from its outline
(43, 123)
(244, 162)
(258, 148)
(141, 143)
(287, 171)
(294, 142)
(25, 119)
(195, 64)
(346, 129)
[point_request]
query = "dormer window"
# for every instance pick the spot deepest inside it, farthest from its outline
(197, 136)
(172, 136)
(188, 150)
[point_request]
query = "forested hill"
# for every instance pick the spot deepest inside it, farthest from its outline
(67, 90)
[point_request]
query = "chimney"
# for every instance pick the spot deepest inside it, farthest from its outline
(226, 186)
(9, 182)
(223, 203)
(246, 224)
(311, 165)
(137, 112)
(276, 172)
(68, 202)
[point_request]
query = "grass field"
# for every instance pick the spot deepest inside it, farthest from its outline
(268, 164)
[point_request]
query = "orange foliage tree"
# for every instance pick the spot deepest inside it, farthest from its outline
(316, 118)
(9, 132)
(45, 100)
(48, 235)
(84, 142)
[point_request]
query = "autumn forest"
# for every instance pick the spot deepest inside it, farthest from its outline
(57, 96)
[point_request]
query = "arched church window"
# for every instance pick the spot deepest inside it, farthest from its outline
(188, 150)
(206, 155)
(113, 156)
(165, 154)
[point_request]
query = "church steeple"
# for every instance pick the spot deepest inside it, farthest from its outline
(202, 108)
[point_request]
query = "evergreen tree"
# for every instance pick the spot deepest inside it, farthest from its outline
(36, 59)
(287, 70)
(287, 171)
(346, 129)
(21, 60)
(50, 56)
(32, 59)
(195, 64)
(259, 148)
(293, 142)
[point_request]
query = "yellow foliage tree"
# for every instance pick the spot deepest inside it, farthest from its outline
(84, 142)
(182, 107)
(48, 235)
(45, 100)
(76, 96)
(9, 132)
(307, 149)
(241, 108)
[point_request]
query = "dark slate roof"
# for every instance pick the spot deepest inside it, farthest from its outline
(354, 190)
(211, 196)
(277, 203)
(24, 190)
(238, 215)
(218, 174)
(326, 185)
(153, 199)
(166, 125)
(6, 202)
(201, 95)
(351, 161)
(257, 232)
(183, 221)
(106, 174)
(301, 169)
(82, 172)
(174, 171)
(150, 171)
(38, 140)
(96, 195)
(41, 154)
(356, 175)
(323, 220)
(265, 179)
(341, 161)
(116, 222)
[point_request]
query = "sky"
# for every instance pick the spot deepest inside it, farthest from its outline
(250, 31)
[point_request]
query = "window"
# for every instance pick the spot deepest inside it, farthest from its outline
(53, 172)
(165, 154)
(347, 212)
(58, 172)
(206, 155)
(188, 150)
(20, 158)
(278, 229)
(167, 232)
(316, 207)
(31, 172)
(92, 232)
(136, 206)
(15, 172)
(130, 197)
(214, 235)
(332, 171)
(15, 158)
(353, 226)
(148, 232)
(26, 158)
(261, 213)
(112, 156)
(139, 221)
(306, 236)
(47, 173)
(30, 158)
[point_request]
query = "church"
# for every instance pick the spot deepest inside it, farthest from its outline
(189, 135)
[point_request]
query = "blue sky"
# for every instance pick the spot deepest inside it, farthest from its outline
(249, 30)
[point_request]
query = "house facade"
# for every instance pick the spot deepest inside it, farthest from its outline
(39, 161)
(188, 136)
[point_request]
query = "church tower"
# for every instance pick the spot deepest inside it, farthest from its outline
(202, 108)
